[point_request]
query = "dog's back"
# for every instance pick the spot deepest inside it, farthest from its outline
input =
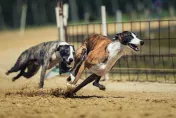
(96, 41)
(39, 50)
(93, 42)
(34, 53)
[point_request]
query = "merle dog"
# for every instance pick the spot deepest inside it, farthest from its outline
(47, 55)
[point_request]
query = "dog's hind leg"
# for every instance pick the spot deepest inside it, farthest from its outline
(21, 61)
(97, 84)
(30, 72)
(13, 69)
(19, 75)
(32, 69)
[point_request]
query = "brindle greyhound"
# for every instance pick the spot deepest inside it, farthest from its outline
(98, 54)
(47, 55)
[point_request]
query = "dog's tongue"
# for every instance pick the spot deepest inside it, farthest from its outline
(137, 49)
(134, 47)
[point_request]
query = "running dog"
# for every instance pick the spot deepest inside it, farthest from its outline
(47, 55)
(98, 54)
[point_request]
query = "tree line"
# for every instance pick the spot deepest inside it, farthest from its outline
(42, 12)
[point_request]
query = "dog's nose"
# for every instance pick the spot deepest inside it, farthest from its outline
(142, 42)
(70, 60)
(64, 59)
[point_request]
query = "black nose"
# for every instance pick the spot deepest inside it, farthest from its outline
(142, 42)
(70, 60)
(64, 59)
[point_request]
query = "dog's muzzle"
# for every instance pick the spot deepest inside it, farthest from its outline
(134, 46)
(141, 43)
(70, 61)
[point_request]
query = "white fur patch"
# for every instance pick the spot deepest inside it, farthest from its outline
(70, 87)
(71, 56)
(54, 57)
(63, 43)
(72, 77)
(115, 50)
(135, 40)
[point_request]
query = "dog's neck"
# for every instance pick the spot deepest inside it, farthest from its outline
(116, 47)
(115, 50)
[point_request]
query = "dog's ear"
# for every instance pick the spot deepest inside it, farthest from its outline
(63, 47)
(73, 47)
(117, 36)
(60, 46)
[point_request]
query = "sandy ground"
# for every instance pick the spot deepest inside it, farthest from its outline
(22, 99)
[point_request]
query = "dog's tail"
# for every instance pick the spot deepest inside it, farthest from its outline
(21, 61)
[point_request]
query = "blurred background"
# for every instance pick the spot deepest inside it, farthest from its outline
(42, 12)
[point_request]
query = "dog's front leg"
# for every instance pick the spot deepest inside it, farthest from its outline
(71, 85)
(42, 76)
(84, 83)
(45, 66)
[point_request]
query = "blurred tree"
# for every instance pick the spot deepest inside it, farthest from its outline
(73, 10)
(87, 11)
(42, 12)
(2, 23)
(114, 4)
(16, 12)
(50, 10)
(98, 4)
(35, 12)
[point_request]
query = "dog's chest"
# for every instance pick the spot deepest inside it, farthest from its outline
(53, 61)
(115, 52)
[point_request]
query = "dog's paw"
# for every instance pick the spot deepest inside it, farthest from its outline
(69, 79)
(102, 87)
(69, 94)
(13, 79)
(7, 73)
(70, 87)
(84, 50)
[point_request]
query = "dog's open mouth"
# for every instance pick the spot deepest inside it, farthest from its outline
(133, 46)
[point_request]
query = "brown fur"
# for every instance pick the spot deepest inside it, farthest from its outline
(98, 57)
(95, 45)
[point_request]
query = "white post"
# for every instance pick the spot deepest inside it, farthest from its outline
(104, 29)
(119, 20)
(65, 9)
(60, 23)
(23, 19)
(57, 17)
(103, 17)
(62, 36)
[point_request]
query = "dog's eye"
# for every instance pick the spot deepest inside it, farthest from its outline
(130, 37)
(63, 52)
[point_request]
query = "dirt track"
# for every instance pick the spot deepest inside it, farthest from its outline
(126, 100)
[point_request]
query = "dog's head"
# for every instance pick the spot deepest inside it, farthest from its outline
(67, 54)
(130, 39)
